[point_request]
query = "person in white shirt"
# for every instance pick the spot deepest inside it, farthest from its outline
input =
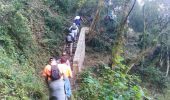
(74, 29)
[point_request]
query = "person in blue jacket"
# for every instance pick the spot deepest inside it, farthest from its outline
(78, 20)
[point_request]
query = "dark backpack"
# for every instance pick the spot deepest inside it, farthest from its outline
(70, 38)
(55, 73)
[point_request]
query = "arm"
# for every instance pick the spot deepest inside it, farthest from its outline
(46, 73)
(70, 72)
(81, 18)
(46, 81)
(70, 28)
(77, 29)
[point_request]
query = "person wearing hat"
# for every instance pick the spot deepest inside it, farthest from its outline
(77, 20)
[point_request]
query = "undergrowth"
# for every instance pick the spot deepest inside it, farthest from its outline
(102, 83)
(23, 52)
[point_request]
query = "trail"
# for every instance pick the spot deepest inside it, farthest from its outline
(77, 59)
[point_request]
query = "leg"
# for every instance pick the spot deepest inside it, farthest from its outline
(67, 48)
(67, 87)
(71, 48)
(75, 35)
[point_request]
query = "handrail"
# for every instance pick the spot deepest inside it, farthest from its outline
(79, 55)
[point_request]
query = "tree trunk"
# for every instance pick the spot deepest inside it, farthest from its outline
(118, 45)
(92, 33)
(167, 70)
(144, 36)
(161, 57)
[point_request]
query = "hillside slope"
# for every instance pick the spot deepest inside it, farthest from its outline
(30, 32)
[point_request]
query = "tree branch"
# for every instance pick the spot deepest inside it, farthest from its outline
(139, 57)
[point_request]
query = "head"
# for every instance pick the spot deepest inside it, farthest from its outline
(64, 53)
(74, 24)
(63, 59)
(52, 61)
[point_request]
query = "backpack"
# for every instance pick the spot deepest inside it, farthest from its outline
(70, 38)
(77, 21)
(73, 28)
(55, 73)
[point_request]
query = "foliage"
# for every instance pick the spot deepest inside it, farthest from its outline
(87, 7)
(102, 83)
(66, 6)
(98, 45)
(32, 30)
(54, 29)
(152, 76)
(21, 53)
(18, 81)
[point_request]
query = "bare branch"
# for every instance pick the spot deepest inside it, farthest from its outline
(139, 57)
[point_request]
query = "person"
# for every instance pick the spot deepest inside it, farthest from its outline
(77, 20)
(69, 41)
(56, 87)
(64, 54)
(74, 29)
(67, 74)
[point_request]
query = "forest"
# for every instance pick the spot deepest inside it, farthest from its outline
(127, 48)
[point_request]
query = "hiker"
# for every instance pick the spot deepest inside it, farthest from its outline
(54, 78)
(69, 41)
(74, 29)
(67, 74)
(78, 20)
(64, 54)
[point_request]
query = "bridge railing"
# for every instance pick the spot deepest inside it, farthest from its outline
(79, 55)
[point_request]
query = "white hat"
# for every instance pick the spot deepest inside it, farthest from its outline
(77, 17)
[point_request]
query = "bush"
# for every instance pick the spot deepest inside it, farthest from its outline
(153, 76)
(102, 83)
(17, 80)
(99, 45)
(62, 6)
(19, 55)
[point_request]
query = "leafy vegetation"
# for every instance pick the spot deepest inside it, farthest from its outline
(102, 83)
(33, 30)
(28, 33)
(19, 81)
(132, 39)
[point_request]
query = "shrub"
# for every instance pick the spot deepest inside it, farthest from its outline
(18, 55)
(99, 45)
(18, 81)
(102, 83)
(153, 76)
